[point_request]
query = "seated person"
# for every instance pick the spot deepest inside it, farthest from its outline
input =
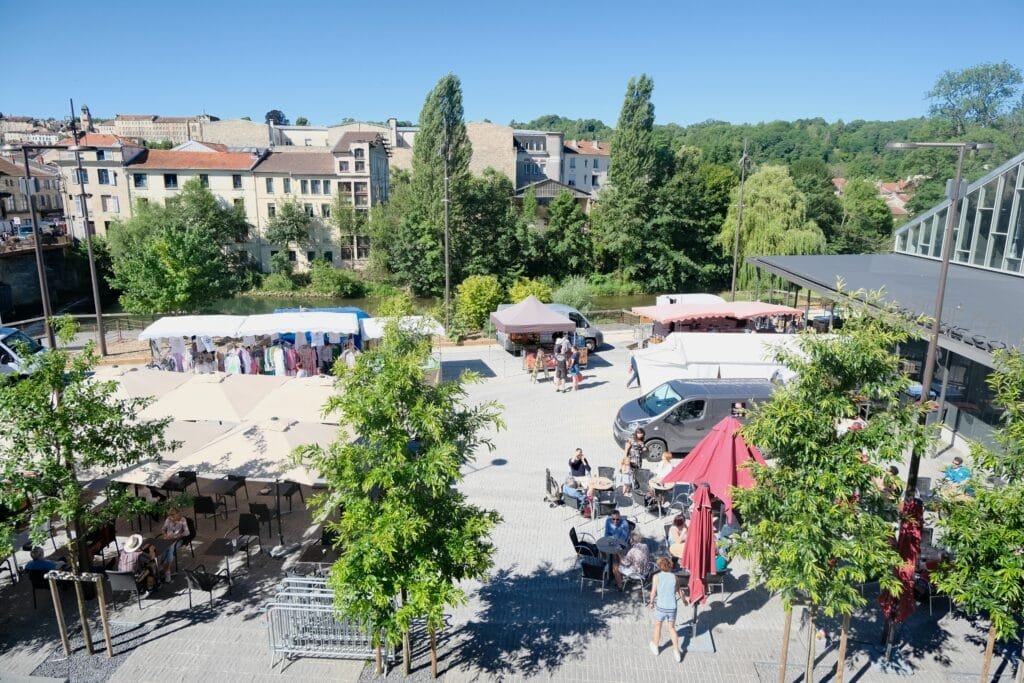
(664, 467)
(721, 561)
(570, 492)
(141, 561)
(617, 527)
(39, 563)
(579, 467)
(635, 564)
(175, 528)
(957, 474)
(677, 532)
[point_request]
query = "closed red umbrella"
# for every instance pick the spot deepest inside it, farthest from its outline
(899, 608)
(699, 551)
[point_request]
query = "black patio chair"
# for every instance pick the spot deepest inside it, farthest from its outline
(638, 580)
(248, 533)
(124, 582)
(643, 480)
(590, 546)
(289, 489)
(594, 570)
(607, 472)
(605, 502)
(39, 583)
(716, 580)
(264, 515)
(241, 480)
(188, 539)
(205, 505)
(202, 580)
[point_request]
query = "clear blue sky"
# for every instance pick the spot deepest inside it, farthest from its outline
(740, 61)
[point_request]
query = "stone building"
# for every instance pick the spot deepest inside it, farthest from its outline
(14, 202)
(585, 165)
(158, 128)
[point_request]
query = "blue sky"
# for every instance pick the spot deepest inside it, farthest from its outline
(740, 61)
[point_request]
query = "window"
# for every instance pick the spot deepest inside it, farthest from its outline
(327, 187)
(81, 175)
(287, 185)
(291, 256)
(343, 166)
(595, 164)
(572, 182)
(346, 188)
(360, 167)
(204, 179)
(572, 162)
(309, 209)
(271, 210)
(362, 247)
(110, 204)
(594, 181)
(270, 186)
(361, 200)
(103, 176)
(240, 204)
(171, 181)
(101, 155)
(358, 153)
(325, 210)
(236, 181)
(360, 188)
(329, 256)
(586, 163)
(347, 243)
(315, 186)
(310, 256)
(78, 206)
(304, 185)
(690, 410)
(139, 179)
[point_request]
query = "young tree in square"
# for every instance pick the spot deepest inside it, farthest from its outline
(60, 428)
(407, 535)
(291, 225)
(984, 531)
(818, 521)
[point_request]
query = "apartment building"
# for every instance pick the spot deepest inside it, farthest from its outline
(158, 128)
(585, 164)
(14, 202)
(356, 170)
(108, 196)
(538, 156)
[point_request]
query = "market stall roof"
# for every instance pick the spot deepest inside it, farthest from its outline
(260, 451)
(303, 321)
(530, 316)
(699, 355)
(300, 399)
(667, 299)
(188, 325)
(740, 310)
(220, 397)
(373, 328)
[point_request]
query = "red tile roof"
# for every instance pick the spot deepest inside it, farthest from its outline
(214, 161)
(839, 183)
(592, 147)
(95, 140)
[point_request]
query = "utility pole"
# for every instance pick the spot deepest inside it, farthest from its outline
(101, 337)
(744, 165)
(37, 235)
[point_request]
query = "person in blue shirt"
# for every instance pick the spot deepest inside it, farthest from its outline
(617, 527)
(38, 563)
(957, 474)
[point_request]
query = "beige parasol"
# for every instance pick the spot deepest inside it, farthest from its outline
(218, 397)
(300, 399)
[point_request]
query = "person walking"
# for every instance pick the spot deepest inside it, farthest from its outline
(634, 373)
(664, 591)
(561, 368)
(574, 369)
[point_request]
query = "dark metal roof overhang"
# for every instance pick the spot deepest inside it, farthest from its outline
(983, 309)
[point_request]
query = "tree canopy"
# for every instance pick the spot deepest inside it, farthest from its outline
(977, 95)
(290, 225)
(276, 117)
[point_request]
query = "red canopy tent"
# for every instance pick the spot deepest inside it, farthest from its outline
(717, 459)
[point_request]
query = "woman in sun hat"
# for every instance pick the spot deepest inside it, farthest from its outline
(140, 561)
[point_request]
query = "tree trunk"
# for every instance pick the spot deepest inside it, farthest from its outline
(379, 660)
(812, 635)
(785, 645)
(406, 653)
(841, 665)
(58, 609)
(433, 652)
(989, 647)
(1020, 666)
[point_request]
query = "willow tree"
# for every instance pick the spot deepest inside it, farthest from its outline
(985, 532)
(818, 520)
(774, 221)
(408, 536)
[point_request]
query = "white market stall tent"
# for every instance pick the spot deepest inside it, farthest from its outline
(189, 325)
(238, 326)
(373, 328)
(702, 355)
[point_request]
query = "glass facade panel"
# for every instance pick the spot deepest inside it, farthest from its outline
(939, 224)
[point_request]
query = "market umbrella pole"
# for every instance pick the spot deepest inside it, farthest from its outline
(277, 498)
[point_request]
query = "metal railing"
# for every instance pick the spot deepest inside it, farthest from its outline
(303, 622)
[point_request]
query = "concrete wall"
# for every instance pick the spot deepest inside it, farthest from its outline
(493, 147)
(238, 133)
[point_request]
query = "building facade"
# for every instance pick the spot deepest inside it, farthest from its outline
(155, 128)
(585, 165)
(14, 202)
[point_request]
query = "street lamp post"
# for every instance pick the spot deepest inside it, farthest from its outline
(43, 287)
(952, 216)
(744, 165)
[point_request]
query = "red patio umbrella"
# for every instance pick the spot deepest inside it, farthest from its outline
(899, 608)
(699, 551)
(717, 460)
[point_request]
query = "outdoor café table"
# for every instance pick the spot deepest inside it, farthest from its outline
(161, 545)
(318, 554)
(178, 484)
(224, 547)
(220, 489)
(601, 483)
(610, 545)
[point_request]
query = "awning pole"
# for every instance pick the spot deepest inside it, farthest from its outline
(277, 496)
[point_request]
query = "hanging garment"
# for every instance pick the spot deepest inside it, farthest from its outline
(232, 363)
(325, 354)
(246, 361)
(300, 339)
(290, 358)
(220, 362)
(257, 360)
(207, 343)
(316, 339)
(307, 354)
(280, 369)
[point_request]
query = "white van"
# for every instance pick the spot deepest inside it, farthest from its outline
(16, 351)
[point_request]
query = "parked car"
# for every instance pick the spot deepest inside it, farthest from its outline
(676, 415)
(16, 351)
(584, 328)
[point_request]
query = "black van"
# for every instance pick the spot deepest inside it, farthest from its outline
(676, 415)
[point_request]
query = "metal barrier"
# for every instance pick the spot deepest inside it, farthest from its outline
(302, 621)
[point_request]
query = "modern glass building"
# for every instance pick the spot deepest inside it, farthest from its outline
(990, 228)
(983, 308)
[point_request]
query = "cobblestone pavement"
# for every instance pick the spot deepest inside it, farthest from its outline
(530, 620)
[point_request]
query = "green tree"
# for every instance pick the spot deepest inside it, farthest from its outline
(531, 242)
(486, 240)
(276, 117)
(569, 244)
(628, 203)
(574, 291)
(179, 257)
(813, 178)
(930, 193)
(324, 278)
(281, 264)
(866, 227)
(410, 536)
(985, 532)
(290, 226)
(976, 95)
(302, 121)
(59, 426)
(525, 287)
(774, 221)
(818, 521)
(475, 298)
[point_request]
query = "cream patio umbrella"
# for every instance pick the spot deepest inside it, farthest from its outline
(216, 397)
(137, 381)
(300, 399)
(260, 451)
(191, 435)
